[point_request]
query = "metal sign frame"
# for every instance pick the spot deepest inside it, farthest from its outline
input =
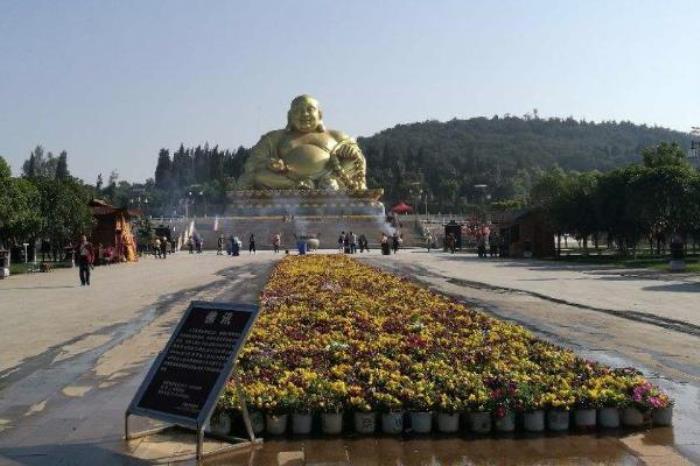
(197, 424)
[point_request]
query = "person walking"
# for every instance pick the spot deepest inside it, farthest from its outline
(346, 243)
(251, 244)
(384, 242)
(190, 245)
(353, 243)
(86, 257)
(276, 241)
(164, 247)
(220, 245)
(235, 246)
(451, 243)
(341, 239)
(395, 242)
(363, 243)
(429, 241)
(156, 248)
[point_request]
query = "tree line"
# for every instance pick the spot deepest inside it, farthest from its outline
(46, 203)
(641, 204)
(455, 166)
(446, 164)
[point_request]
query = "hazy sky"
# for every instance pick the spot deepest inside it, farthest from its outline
(111, 82)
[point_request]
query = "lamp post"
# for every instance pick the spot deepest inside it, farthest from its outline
(187, 204)
(482, 190)
(425, 198)
(695, 145)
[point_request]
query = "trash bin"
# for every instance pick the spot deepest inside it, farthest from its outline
(301, 246)
(386, 249)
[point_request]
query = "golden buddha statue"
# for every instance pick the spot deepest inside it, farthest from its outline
(305, 155)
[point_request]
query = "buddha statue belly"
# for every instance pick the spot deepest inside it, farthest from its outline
(307, 156)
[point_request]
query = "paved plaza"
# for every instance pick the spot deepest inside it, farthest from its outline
(71, 357)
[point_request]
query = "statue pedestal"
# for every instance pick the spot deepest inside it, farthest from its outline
(311, 203)
(295, 215)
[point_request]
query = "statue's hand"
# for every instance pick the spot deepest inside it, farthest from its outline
(277, 166)
(348, 152)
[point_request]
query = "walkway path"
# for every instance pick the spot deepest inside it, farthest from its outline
(71, 357)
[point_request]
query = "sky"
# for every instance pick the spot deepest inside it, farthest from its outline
(111, 82)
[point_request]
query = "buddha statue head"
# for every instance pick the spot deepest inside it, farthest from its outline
(305, 115)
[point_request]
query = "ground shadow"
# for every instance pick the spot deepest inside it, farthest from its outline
(73, 454)
(682, 287)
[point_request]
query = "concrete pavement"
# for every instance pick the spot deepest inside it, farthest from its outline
(71, 357)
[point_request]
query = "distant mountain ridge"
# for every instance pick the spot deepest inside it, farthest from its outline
(448, 158)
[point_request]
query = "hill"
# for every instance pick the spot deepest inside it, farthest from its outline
(448, 158)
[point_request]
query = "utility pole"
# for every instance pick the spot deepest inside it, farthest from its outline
(694, 152)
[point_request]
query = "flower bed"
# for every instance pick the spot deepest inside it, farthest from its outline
(338, 336)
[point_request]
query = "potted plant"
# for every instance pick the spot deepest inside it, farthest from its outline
(391, 408)
(448, 416)
(301, 405)
(220, 422)
(332, 397)
(480, 405)
(585, 407)
(663, 414)
(529, 402)
(418, 398)
(364, 417)
(610, 399)
(503, 399)
(558, 403)
(276, 403)
(255, 413)
(642, 399)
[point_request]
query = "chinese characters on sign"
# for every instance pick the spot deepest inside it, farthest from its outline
(192, 365)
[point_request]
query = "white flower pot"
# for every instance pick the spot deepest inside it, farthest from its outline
(392, 423)
(558, 420)
(332, 423)
(609, 418)
(276, 424)
(663, 416)
(220, 424)
(480, 422)
(301, 423)
(633, 417)
(505, 423)
(257, 421)
(448, 422)
(585, 418)
(365, 423)
(422, 422)
(533, 421)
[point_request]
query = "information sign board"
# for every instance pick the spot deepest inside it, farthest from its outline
(189, 375)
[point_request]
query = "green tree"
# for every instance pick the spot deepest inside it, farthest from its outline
(64, 210)
(664, 154)
(164, 178)
(62, 172)
(20, 218)
(5, 171)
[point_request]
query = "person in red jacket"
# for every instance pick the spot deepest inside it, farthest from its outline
(85, 255)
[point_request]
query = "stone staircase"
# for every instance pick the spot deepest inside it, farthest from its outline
(326, 229)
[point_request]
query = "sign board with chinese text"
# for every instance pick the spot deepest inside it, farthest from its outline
(189, 375)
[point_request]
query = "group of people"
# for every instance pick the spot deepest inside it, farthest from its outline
(391, 243)
(233, 245)
(349, 242)
(195, 243)
(161, 247)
